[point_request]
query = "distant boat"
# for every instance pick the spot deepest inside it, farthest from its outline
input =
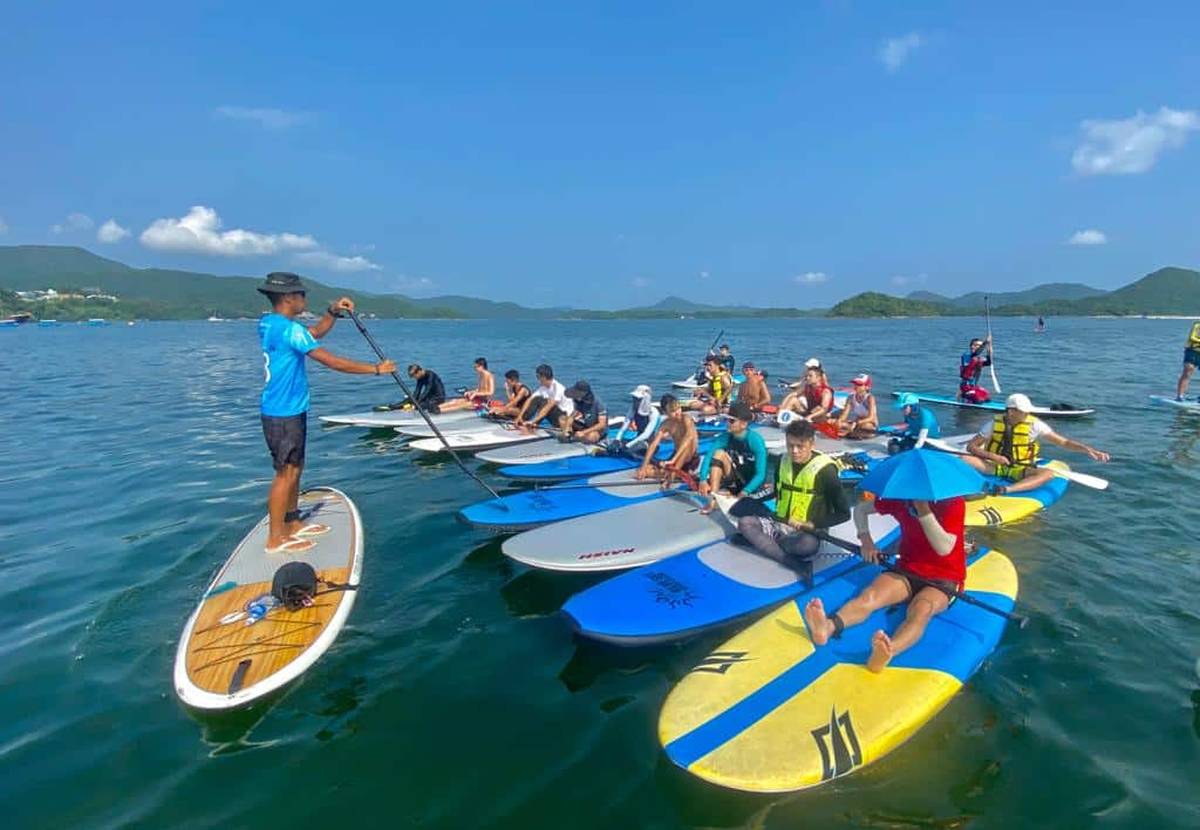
(48, 324)
(213, 318)
(97, 321)
(14, 320)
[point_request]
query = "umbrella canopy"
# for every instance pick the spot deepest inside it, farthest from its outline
(922, 474)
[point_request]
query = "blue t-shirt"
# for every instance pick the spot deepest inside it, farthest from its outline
(921, 418)
(284, 343)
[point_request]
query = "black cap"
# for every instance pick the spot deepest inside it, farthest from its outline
(742, 411)
(581, 389)
(282, 282)
(748, 365)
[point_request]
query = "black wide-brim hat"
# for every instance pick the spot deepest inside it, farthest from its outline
(282, 282)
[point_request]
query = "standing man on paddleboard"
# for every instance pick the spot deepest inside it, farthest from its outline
(1191, 359)
(284, 405)
(974, 360)
(1010, 447)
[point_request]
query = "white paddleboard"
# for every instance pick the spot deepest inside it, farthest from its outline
(536, 452)
(1186, 405)
(474, 441)
(395, 418)
(225, 662)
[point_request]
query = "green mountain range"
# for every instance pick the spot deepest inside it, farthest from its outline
(165, 294)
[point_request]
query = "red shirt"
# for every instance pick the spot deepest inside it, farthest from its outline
(916, 554)
(814, 396)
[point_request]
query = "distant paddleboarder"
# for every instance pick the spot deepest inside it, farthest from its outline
(1191, 359)
(284, 406)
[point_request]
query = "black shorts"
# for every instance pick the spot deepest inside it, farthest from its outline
(287, 438)
(916, 583)
(1191, 356)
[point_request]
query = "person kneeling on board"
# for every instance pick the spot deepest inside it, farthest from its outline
(641, 423)
(713, 396)
(970, 366)
(808, 496)
(753, 390)
(588, 424)
(859, 418)
(737, 460)
(481, 395)
(284, 404)
(549, 400)
(930, 572)
(812, 398)
(680, 430)
(919, 424)
(1010, 446)
(516, 396)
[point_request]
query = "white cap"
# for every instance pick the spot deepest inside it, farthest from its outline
(812, 363)
(1019, 402)
(640, 391)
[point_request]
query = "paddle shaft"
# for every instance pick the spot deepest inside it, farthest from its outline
(987, 313)
(1020, 620)
(421, 410)
(1087, 480)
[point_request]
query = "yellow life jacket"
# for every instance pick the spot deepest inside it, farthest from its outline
(1194, 337)
(718, 387)
(1014, 443)
(795, 492)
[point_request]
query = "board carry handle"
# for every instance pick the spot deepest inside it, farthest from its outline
(1020, 620)
(421, 410)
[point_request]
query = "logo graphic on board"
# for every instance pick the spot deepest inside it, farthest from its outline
(838, 745)
(669, 591)
(991, 515)
(720, 662)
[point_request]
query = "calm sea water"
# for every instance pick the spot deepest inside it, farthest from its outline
(133, 461)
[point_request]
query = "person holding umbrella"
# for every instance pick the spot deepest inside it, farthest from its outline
(923, 490)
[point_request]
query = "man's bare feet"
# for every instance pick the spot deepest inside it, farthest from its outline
(881, 652)
(819, 626)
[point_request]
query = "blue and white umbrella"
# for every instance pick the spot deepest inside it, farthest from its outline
(922, 474)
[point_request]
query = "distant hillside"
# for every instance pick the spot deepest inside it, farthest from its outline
(1165, 291)
(875, 304)
(1047, 292)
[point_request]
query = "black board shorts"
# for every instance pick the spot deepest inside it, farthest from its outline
(1192, 356)
(287, 438)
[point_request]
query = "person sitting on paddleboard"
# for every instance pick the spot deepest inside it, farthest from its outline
(753, 390)
(714, 396)
(1010, 446)
(481, 395)
(971, 365)
(516, 395)
(429, 394)
(727, 361)
(919, 423)
(859, 418)
(284, 403)
(811, 398)
(548, 400)
(1191, 359)
(930, 572)
(641, 422)
(737, 460)
(589, 422)
(808, 496)
(678, 428)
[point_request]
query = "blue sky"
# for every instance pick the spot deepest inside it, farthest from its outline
(609, 154)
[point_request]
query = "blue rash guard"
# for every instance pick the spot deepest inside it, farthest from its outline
(920, 418)
(285, 343)
(748, 450)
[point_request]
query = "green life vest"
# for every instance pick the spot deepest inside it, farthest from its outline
(795, 492)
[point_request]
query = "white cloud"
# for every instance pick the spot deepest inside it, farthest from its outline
(640, 282)
(3, 226)
(110, 232)
(704, 275)
(341, 264)
(267, 117)
(199, 232)
(902, 280)
(895, 51)
(1090, 236)
(1131, 145)
(75, 222)
(811, 278)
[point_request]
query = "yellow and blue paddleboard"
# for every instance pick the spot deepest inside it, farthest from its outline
(991, 511)
(770, 712)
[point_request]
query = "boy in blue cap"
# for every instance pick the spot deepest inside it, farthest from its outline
(920, 424)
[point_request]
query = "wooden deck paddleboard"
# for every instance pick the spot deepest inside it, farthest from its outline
(223, 660)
